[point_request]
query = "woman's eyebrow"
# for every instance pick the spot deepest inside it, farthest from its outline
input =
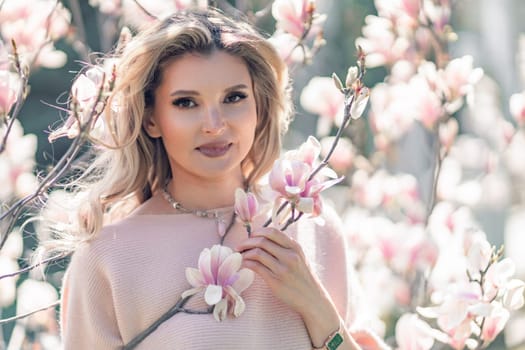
(184, 92)
(237, 87)
(196, 93)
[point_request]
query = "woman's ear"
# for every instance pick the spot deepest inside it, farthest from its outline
(151, 126)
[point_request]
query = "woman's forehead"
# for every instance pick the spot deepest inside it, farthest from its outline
(193, 70)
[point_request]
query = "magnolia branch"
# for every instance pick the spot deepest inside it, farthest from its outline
(24, 77)
(351, 93)
(18, 317)
(40, 263)
(58, 170)
(178, 307)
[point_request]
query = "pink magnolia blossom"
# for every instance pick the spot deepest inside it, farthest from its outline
(478, 257)
(221, 278)
(286, 46)
(426, 106)
(321, 97)
(494, 324)
(381, 45)
(292, 16)
(438, 13)
(290, 179)
(9, 87)
(31, 23)
(359, 104)
(498, 277)
(404, 13)
(246, 206)
(459, 76)
(412, 333)
(87, 91)
(513, 298)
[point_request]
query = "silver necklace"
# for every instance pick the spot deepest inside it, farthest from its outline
(222, 226)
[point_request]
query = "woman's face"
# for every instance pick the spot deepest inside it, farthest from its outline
(205, 113)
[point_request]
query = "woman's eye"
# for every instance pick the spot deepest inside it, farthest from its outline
(235, 97)
(184, 102)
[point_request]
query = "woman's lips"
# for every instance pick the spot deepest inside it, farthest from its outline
(214, 150)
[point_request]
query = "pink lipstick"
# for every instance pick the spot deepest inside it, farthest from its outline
(214, 150)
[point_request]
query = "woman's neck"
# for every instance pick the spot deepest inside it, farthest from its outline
(196, 194)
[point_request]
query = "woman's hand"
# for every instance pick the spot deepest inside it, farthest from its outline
(279, 260)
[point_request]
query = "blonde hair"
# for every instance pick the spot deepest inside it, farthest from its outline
(122, 177)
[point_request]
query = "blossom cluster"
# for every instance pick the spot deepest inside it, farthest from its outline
(34, 26)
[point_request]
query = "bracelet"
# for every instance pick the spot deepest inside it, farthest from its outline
(334, 340)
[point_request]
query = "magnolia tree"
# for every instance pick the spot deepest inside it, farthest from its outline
(429, 272)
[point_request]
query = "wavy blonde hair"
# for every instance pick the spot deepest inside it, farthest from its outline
(122, 177)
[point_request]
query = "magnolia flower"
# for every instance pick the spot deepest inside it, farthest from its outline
(88, 91)
(320, 96)
(9, 87)
(297, 16)
(381, 45)
(31, 24)
(359, 104)
(290, 178)
(459, 76)
(478, 256)
(246, 207)
(286, 46)
(221, 278)
(412, 333)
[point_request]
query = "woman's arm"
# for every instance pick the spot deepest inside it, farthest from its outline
(87, 314)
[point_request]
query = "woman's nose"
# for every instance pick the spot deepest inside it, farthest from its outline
(213, 122)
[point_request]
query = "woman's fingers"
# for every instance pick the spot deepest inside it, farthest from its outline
(270, 239)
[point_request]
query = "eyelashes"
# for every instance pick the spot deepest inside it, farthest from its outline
(184, 102)
(235, 97)
(189, 102)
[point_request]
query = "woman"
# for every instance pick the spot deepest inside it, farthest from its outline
(198, 109)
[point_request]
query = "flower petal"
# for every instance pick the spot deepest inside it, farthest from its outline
(238, 302)
(513, 298)
(245, 279)
(191, 291)
(220, 310)
(194, 277)
(229, 268)
(213, 294)
(205, 266)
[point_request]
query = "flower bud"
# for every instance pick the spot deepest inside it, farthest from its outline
(351, 76)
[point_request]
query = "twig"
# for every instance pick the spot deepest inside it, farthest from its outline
(18, 317)
(435, 178)
(24, 77)
(178, 307)
(143, 9)
(58, 170)
(31, 267)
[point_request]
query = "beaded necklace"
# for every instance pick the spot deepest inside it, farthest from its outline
(221, 223)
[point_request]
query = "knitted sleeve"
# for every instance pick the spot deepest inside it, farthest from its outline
(87, 314)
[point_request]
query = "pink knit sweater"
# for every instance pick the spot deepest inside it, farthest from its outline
(134, 271)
